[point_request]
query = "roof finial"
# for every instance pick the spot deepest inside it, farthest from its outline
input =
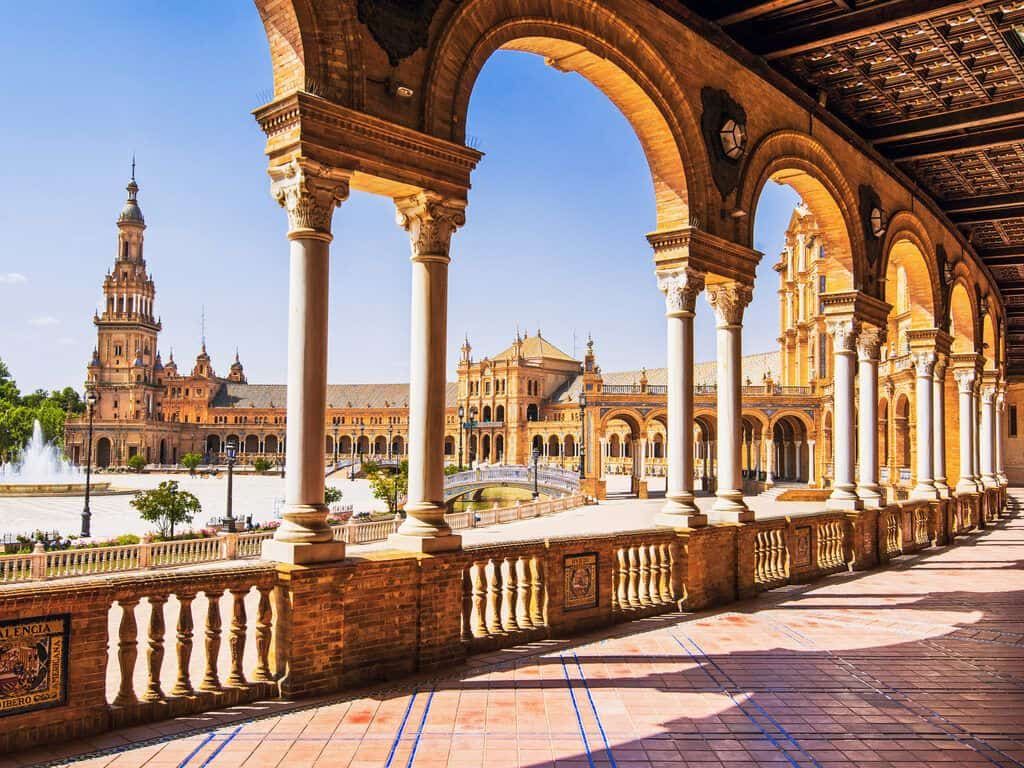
(202, 322)
(133, 166)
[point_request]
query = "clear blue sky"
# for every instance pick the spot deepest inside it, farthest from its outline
(554, 239)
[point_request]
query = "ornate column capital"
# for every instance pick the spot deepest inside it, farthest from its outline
(890, 388)
(924, 362)
(309, 192)
(728, 300)
(941, 362)
(964, 380)
(431, 220)
(844, 332)
(869, 343)
(988, 393)
(680, 288)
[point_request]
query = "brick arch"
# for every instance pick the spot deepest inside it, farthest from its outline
(295, 30)
(581, 36)
(803, 418)
(963, 312)
(907, 240)
(631, 418)
(804, 163)
(660, 416)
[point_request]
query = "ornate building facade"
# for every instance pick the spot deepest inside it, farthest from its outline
(524, 400)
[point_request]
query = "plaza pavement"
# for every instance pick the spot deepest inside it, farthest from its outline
(918, 664)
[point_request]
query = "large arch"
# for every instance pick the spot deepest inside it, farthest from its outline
(908, 244)
(801, 161)
(963, 318)
(579, 36)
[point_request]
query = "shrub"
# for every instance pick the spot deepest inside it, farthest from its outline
(261, 465)
(137, 463)
(332, 495)
(190, 461)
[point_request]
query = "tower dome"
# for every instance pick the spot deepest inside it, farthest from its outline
(131, 213)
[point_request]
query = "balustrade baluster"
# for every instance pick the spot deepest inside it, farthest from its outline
(155, 656)
(127, 652)
(493, 575)
(523, 594)
(264, 627)
(666, 573)
(478, 600)
(634, 578)
(508, 596)
(211, 680)
(183, 646)
(236, 639)
(536, 592)
(654, 574)
(623, 574)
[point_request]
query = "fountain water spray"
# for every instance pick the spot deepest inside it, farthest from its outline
(41, 463)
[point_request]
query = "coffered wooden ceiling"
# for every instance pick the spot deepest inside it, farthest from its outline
(937, 87)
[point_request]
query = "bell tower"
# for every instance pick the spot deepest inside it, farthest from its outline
(123, 364)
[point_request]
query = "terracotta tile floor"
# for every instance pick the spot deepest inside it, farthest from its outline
(921, 664)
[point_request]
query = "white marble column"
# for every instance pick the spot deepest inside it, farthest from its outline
(681, 289)
(728, 300)
(797, 445)
(976, 433)
(769, 478)
(965, 386)
(844, 337)
(309, 193)
(939, 427)
(601, 457)
(869, 344)
(811, 479)
(430, 221)
(787, 470)
(987, 448)
(1001, 434)
(924, 365)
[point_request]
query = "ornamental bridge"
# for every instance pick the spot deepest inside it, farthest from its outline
(549, 481)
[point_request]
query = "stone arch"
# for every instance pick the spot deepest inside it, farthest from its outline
(380, 445)
(580, 36)
(212, 444)
(499, 413)
(499, 448)
(901, 430)
(963, 317)
(449, 445)
(270, 444)
(252, 444)
(789, 413)
(104, 452)
(801, 161)
(633, 420)
(884, 452)
(906, 240)
(989, 348)
(294, 29)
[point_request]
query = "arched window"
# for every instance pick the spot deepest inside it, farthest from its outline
(487, 413)
(499, 413)
(531, 412)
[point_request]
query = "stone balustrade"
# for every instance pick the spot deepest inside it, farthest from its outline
(157, 643)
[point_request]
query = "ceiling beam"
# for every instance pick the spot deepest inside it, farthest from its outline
(951, 145)
(982, 203)
(735, 11)
(878, 17)
(992, 214)
(947, 122)
(1004, 252)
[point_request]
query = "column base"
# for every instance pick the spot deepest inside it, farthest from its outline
(425, 544)
(870, 496)
(681, 512)
(844, 499)
(729, 507)
(965, 487)
(924, 491)
(989, 481)
(302, 553)
(943, 489)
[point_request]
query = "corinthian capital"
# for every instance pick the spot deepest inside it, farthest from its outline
(924, 362)
(869, 343)
(844, 332)
(728, 300)
(309, 192)
(988, 393)
(680, 288)
(430, 220)
(965, 380)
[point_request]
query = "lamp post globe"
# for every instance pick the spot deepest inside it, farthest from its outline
(92, 397)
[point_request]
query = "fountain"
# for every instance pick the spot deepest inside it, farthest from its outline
(43, 471)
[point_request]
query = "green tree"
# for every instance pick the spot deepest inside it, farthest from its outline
(451, 469)
(190, 461)
(166, 506)
(261, 465)
(9, 391)
(389, 486)
(332, 495)
(137, 463)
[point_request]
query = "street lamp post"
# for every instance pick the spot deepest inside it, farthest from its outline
(536, 490)
(362, 431)
(231, 450)
(470, 426)
(352, 464)
(462, 415)
(583, 436)
(391, 431)
(335, 446)
(91, 398)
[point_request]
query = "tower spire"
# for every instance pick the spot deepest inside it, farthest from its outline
(133, 166)
(202, 327)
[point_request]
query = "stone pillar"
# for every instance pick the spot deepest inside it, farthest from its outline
(728, 300)
(309, 193)
(868, 346)
(787, 469)
(976, 433)
(680, 289)
(601, 458)
(965, 386)
(844, 336)
(939, 427)
(987, 448)
(430, 221)
(798, 459)
(769, 478)
(811, 479)
(1001, 434)
(924, 363)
